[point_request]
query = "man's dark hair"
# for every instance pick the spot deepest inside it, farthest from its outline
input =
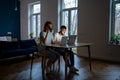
(63, 27)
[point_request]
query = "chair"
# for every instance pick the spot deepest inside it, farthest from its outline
(43, 54)
(58, 62)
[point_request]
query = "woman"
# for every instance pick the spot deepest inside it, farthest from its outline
(46, 37)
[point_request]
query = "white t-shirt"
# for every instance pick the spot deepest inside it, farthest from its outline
(58, 37)
(49, 37)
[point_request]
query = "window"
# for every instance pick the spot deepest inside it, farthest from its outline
(114, 17)
(69, 16)
(34, 22)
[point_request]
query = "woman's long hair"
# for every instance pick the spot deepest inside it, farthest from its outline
(47, 25)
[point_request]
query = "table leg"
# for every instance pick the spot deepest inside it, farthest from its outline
(66, 54)
(89, 54)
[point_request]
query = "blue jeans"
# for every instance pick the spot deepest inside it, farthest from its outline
(70, 53)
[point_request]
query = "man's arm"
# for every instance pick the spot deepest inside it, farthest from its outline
(57, 38)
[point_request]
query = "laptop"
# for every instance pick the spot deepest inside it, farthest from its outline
(64, 40)
(72, 39)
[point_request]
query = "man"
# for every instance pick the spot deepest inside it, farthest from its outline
(58, 36)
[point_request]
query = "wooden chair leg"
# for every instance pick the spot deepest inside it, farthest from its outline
(43, 64)
(59, 64)
(54, 67)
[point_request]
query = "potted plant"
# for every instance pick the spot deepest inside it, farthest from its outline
(115, 39)
(31, 35)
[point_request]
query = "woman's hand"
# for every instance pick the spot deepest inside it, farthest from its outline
(53, 41)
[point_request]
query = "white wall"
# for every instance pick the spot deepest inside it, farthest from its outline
(94, 28)
(49, 12)
(93, 25)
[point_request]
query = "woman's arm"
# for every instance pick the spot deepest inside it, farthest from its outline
(43, 38)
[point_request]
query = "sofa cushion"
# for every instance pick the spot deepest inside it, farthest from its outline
(27, 43)
(16, 52)
(7, 45)
(17, 48)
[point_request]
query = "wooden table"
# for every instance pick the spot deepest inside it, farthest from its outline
(73, 46)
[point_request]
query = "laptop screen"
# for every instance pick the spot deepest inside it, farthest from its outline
(64, 40)
(72, 39)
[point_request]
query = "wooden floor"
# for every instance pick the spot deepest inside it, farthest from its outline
(19, 69)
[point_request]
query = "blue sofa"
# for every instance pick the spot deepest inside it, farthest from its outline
(17, 48)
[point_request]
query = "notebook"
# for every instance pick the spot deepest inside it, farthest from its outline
(72, 39)
(64, 40)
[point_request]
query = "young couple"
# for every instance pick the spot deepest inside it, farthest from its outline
(47, 37)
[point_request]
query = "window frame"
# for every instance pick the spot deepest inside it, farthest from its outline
(112, 18)
(31, 14)
(69, 15)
